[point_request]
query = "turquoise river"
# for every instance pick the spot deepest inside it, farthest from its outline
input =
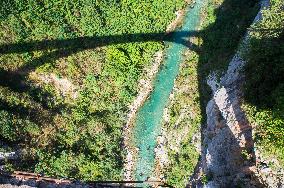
(147, 125)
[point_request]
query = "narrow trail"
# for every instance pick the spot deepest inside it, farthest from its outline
(148, 121)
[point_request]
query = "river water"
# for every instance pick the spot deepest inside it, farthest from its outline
(147, 125)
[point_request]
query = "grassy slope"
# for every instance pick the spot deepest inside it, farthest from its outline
(264, 87)
(65, 136)
(224, 24)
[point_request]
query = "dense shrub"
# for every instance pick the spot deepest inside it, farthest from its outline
(78, 136)
(264, 87)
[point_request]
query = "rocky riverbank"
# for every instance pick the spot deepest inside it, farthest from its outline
(146, 87)
(178, 145)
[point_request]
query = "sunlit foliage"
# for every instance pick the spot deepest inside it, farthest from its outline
(74, 133)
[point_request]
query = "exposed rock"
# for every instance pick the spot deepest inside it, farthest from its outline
(8, 155)
(63, 86)
(171, 27)
(272, 177)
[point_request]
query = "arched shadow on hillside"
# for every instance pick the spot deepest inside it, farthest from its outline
(64, 48)
(228, 28)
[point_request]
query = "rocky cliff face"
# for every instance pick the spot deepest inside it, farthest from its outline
(229, 158)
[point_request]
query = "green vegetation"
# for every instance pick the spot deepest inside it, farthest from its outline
(184, 122)
(264, 87)
(65, 105)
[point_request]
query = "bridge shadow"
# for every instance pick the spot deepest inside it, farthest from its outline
(220, 40)
(56, 49)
